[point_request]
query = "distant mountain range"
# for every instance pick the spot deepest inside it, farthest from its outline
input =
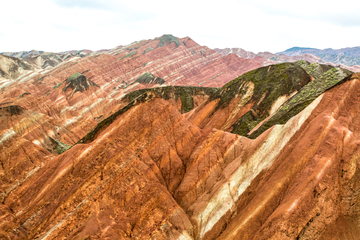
(345, 56)
(351, 52)
(348, 58)
(41, 59)
(12, 67)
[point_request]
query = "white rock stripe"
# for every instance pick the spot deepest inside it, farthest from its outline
(224, 200)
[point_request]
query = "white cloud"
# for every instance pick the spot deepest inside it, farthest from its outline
(342, 13)
(92, 4)
(256, 25)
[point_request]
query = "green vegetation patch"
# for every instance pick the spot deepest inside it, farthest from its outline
(246, 123)
(273, 81)
(78, 83)
(168, 38)
(269, 83)
(149, 78)
(175, 92)
(106, 122)
(147, 50)
(314, 69)
(57, 85)
(74, 76)
(129, 55)
(304, 97)
(58, 146)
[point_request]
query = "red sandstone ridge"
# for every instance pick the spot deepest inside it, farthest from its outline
(181, 62)
(153, 174)
(115, 73)
(101, 147)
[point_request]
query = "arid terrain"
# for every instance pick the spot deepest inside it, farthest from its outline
(167, 139)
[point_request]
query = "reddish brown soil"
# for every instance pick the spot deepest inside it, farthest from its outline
(154, 173)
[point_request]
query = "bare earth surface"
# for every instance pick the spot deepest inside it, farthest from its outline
(87, 153)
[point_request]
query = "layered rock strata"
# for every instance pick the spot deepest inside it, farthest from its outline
(102, 79)
(273, 154)
(153, 174)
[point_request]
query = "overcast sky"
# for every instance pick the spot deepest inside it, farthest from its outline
(256, 25)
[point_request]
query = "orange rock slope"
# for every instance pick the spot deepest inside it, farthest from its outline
(163, 163)
(153, 174)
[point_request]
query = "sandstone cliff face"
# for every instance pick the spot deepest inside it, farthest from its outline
(272, 154)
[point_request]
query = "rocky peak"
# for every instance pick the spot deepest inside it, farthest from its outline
(149, 78)
(168, 39)
(78, 83)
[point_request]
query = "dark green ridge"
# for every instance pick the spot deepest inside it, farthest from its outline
(57, 85)
(184, 93)
(107, 121)
(142, 95)
(147, 50)
(274, 81)
(78, 82)
(298, 102)
(168, 38)
(270, 83)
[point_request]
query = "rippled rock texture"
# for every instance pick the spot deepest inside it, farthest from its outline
(273, 154)
(80, 89)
